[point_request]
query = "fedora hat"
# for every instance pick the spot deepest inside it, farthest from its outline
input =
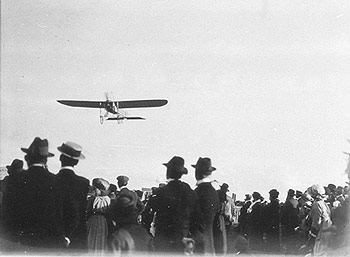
(224, 187)
(176, 164)
(16, 166)
(39, 147)
(72, 150)
(204, 164)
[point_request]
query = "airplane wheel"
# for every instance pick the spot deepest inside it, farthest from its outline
(101, 119)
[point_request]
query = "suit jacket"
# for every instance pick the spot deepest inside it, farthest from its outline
(174, 206)
(37, 219)
(71, 205)
(209, 205)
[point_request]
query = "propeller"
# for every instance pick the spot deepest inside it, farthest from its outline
(107, 96)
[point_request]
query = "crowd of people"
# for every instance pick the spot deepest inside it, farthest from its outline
(65, 212)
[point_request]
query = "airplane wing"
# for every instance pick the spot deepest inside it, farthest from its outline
(120, 104)
(141, 103)
(86, 104)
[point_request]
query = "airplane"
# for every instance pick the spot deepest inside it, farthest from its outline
(113, 108)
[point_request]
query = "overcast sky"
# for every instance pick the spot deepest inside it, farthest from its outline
(260, 87)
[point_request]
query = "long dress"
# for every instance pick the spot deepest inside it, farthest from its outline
(97, 224)
(321, 221)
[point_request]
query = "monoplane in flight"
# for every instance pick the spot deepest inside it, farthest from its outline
(112, 109)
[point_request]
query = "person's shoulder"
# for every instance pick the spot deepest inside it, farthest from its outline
(83, 180)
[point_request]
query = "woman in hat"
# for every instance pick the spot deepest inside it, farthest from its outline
(321, 227)
(96, 210)
(130, 236)
(174, 205)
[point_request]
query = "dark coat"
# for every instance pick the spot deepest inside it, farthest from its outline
(289, 216)
(10, 205)
(272, 216)
(174, 205)
(71, 205)
(208, 201)
(37, 217)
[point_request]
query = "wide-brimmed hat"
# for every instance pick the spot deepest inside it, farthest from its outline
(316, 190)
(101, 184)
(122, 179)
(204, 164)
(39, 147)
(176, 164)
(72, 150)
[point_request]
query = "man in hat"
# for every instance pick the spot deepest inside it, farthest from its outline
(124, 190)
(209, 204)
(243, 216)
(37, 219)
(174, 205)
(272, 221)
(72, 193)
(289, 222)
(112, 213)
(10, 189)
(255, 222)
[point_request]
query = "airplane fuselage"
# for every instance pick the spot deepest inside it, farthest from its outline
(110, 107)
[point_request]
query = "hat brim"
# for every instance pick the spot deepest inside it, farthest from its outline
(81, 157)
(26, 150)
(182, 170)
(210, 169)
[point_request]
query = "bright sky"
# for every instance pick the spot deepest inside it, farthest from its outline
(260, 87)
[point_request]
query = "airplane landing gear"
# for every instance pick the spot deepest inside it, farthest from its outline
(101, 116)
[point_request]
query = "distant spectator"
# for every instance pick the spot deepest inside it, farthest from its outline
(290, 221)
(243, 217)
(272, 221)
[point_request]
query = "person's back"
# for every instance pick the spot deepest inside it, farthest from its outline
(38, 204)
(72, 193)
(37, 211)
(130, 237)
(174, 205)
(71, 198)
